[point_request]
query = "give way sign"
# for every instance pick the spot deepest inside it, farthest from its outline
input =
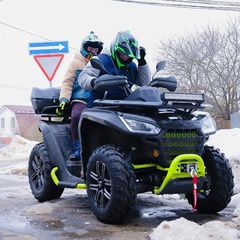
(49, 64)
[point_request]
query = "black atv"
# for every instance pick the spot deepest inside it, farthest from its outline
(150, 141)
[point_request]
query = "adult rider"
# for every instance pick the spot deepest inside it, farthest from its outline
(118, 60)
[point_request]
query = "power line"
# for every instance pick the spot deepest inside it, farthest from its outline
(207, 5)
(30, 33)
(207, 2)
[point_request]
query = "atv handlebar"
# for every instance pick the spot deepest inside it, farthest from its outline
(108, 81)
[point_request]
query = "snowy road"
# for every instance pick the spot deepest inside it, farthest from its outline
(70, 216)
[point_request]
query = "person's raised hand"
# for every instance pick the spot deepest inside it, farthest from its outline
(142, 61)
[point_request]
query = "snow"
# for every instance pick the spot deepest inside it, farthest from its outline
(185, 230)
(18, 149)
(179, 229)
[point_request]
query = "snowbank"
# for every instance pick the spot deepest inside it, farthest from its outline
(187, 230)
(228, 140)
(19, 148)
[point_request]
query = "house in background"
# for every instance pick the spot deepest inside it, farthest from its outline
(18, 120)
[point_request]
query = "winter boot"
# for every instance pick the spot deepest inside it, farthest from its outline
(76, 149)
(74, 164)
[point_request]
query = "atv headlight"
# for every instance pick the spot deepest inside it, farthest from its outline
(140, 126)
(208, 124)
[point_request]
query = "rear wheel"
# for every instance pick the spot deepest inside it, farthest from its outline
(111, 185)
(218, 190)
(39, 175)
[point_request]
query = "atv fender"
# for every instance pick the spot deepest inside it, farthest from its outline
(57, 138)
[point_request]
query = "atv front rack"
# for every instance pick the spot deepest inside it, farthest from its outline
(159, 105)
(178, 178)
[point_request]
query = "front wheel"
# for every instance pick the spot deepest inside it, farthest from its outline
(111, 184)
(218, 189)
(39, 175)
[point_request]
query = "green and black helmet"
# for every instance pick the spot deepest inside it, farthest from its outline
(124, 43)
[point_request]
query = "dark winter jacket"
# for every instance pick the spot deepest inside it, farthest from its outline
(140, 75)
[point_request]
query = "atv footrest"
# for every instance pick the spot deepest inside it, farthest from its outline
(74, 184)
(70, 181)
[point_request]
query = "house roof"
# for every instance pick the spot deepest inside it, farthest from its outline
(19, 108)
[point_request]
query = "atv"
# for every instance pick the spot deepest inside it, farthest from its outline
(153, 140)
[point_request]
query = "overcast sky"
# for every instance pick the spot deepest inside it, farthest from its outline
(29, 21)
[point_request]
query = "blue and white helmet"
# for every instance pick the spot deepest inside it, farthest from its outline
(91, 40)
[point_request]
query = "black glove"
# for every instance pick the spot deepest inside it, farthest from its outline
(142, 61)
(93, 82)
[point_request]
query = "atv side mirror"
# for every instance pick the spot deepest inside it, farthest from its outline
(170, 83)
(160, 65)
(98, 64)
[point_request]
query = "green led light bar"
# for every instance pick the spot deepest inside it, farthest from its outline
(183, 97)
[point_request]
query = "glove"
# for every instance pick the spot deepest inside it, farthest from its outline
(93, 82)
(142, 61)
(62, 107)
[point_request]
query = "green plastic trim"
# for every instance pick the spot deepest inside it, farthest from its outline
(174, 169)
(82, 185)
(56, 181)
(54, 176)
(142, 166)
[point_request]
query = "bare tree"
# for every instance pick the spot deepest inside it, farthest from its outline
(207, 61)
